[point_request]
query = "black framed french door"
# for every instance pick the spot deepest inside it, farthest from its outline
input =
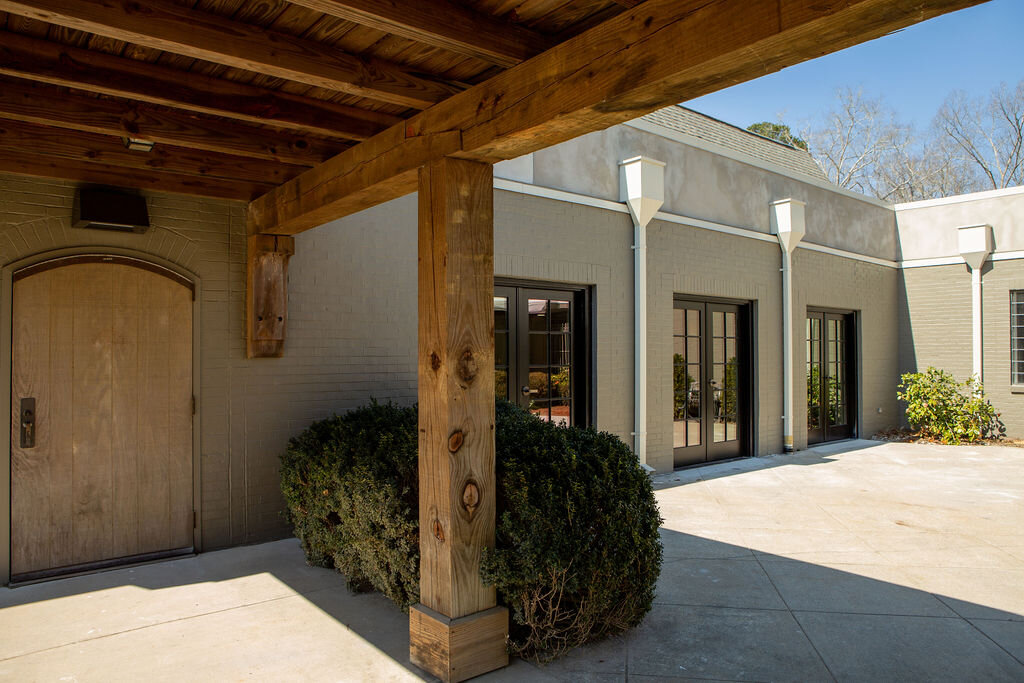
(711, 381)
(541, 352)
(831, 373)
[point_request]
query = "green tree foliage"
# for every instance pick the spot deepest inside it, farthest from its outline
(950, 411)
(779, 132)
(577, 551)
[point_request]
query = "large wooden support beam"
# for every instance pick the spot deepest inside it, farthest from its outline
(166, 25)
(456, 632)
(50, 105)
(266, 295)
(58, 64)
(656, 54)
(23, 162)
(441, 23)
(16, 136)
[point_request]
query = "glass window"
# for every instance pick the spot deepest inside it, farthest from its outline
(1017, 337)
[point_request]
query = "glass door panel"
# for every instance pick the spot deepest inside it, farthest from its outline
(830, 372)
(710, 385)
(539, 351)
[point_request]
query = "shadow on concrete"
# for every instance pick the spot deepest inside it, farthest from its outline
(723, 611)
(821, 454)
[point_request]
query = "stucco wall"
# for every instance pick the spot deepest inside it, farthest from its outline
(928, 229)
(699, 184)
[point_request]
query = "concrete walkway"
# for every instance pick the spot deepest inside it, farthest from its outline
(855, 562)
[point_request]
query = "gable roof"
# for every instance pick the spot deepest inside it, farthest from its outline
(694, 124)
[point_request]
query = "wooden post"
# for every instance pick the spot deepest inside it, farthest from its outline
(456, 632)
(266, 294)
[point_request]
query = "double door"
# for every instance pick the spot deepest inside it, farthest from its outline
(830, 372)
(711, 381)
(540, 353)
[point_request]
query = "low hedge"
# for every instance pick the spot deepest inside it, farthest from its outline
(577, 552)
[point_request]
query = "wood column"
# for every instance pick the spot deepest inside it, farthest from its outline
(266, 294)
(456, 632)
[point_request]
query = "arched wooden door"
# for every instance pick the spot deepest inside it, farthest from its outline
(101, 403)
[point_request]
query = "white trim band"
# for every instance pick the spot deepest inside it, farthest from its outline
(618, 207)
(961, 198)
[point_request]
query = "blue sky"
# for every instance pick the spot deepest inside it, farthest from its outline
(973, 50)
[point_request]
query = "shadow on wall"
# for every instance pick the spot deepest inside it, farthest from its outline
(905, 331)
(723, 611)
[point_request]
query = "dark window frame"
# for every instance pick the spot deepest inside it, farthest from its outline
(1017, 341)
(852, 334)
(583, 375)
(747, 384)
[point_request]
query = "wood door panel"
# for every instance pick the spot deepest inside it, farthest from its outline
(125, 410)
(106, 351)
(91, 454)
(30, 467)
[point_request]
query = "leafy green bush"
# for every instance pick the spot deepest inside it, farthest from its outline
(350, 485)
(577, 552)
(947, 410)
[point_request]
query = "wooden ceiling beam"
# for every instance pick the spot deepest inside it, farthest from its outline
(105, 149)
(49, 62)
(165, 25)
(441, 23)
(26, 163)
(53, 106)
(659, 53)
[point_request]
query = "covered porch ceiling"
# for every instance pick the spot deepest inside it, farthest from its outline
(314, 109)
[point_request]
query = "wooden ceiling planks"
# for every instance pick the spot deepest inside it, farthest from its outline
(289, 81)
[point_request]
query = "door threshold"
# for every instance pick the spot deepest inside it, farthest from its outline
(29, 578)
(695, 465)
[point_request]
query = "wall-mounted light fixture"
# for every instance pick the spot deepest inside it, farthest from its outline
(138, 145)
(106, 209)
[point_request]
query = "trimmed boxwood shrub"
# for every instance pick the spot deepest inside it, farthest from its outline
(577, 552)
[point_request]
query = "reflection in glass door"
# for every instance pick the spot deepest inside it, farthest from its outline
(830, 372)
(540, 352)
(710, 381)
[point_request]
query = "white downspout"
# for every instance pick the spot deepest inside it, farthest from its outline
(787, 222)
(975, 243)
(642, 188)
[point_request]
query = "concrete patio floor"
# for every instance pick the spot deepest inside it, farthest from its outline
(858, 561)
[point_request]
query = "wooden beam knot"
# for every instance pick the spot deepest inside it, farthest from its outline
(470, 498)
(467, 368)
(455, 441)
(435, 361)
(438, 530)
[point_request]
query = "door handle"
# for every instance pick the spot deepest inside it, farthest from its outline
(28, 423)
(527, 391)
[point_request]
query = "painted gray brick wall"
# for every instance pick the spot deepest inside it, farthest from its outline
(692, 261)
(350, 328)
(827, 281)
(936, 304)
(352, 319)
